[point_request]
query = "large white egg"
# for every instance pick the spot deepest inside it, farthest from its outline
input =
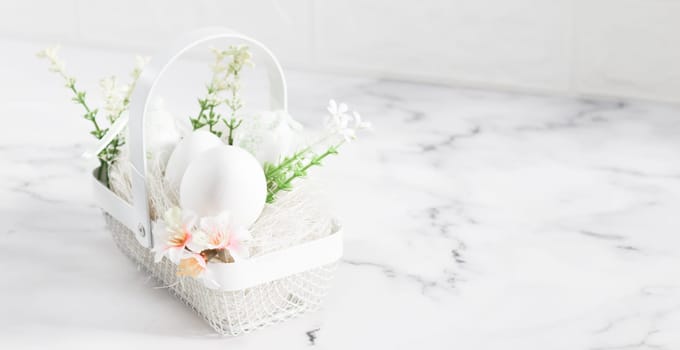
(225, 178)
(185, 152)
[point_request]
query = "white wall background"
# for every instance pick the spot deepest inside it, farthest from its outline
(583, 47)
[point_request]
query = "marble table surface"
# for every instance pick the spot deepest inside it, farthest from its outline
(474, 220)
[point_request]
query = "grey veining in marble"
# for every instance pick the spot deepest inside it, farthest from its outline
(474, 220)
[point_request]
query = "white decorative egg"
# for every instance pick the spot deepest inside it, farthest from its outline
(185, 152)
(269, 136)
(225, 178)
(160, 133)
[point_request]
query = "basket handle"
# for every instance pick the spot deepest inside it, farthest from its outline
(139, 103)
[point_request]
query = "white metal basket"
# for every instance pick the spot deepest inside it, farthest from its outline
(253, 293)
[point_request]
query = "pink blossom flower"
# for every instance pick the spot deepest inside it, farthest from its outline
(217, 232)
(174, 233)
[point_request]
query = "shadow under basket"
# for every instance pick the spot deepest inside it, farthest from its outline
(231, 313)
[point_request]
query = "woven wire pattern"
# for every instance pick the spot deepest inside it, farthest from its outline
(231, 313)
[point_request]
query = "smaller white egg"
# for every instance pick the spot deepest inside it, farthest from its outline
(185, 152)
(269, 136)
(225, 178)
(160, 133)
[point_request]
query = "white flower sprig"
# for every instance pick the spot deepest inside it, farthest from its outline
(117, 97)
(224, 88)
(340, 124)
(56, 64)
(116, 100)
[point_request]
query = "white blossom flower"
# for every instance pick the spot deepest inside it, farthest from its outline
(50, 52)
(140, 63)
(217, 232)
(174, 233)
(338, 121)
(338, 110)
(212, 99)
(359, 124)
(240, 57)
(115, 97)
(210, 233)
(345, 130)
(56, 64)
(190, 243)
(236, 243)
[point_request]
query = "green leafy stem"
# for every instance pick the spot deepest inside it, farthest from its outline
(280, 177)
(226, 79)
(109, 154)
(207, 115)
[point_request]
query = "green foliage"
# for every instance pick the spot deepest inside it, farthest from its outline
(280, 177)
(207, 115)
(110, 153)
(224, 88)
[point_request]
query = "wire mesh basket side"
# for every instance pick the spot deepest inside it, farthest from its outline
(231, 312)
